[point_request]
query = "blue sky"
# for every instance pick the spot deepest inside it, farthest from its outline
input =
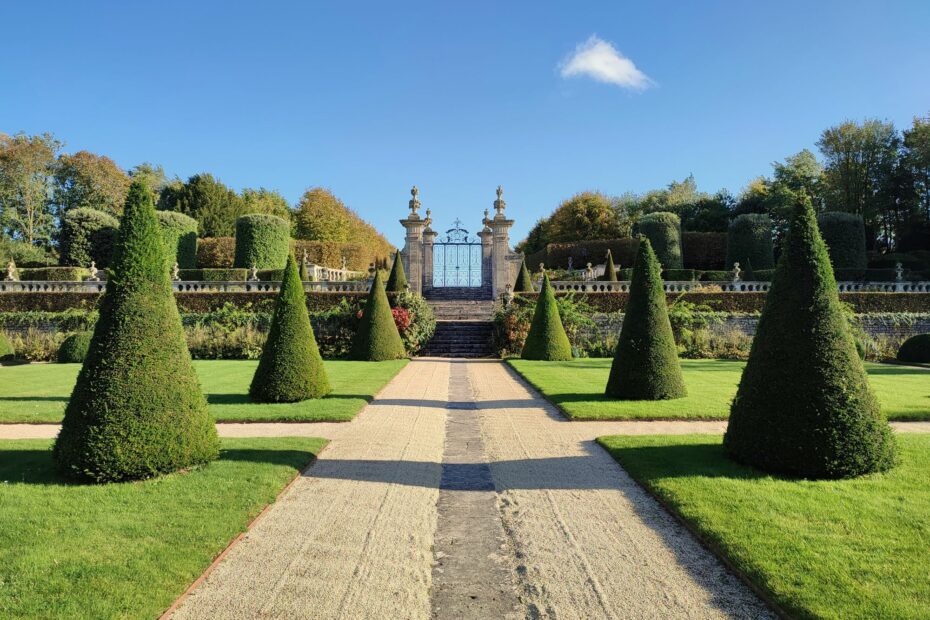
(370, 98)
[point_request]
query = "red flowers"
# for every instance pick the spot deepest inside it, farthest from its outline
(402, 318)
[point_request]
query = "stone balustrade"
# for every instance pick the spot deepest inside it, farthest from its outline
(25, 286)
(670, 286)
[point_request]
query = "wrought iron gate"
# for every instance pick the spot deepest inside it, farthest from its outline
(457, 259)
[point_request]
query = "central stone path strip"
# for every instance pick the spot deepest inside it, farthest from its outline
(352, 537)
(474, 573)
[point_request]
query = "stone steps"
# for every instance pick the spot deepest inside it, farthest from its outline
(459, 293)
(460, 339)
(463, 310)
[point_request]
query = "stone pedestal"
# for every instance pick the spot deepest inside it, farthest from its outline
(413, 246)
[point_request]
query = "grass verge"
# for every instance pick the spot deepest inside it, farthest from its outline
(818, 549)
(577, 388)
(127, 550)
(35, 393)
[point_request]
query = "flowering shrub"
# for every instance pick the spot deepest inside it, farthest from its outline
(420, 324)
(402, 319)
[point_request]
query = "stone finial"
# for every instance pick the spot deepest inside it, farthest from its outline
(499, 204)
(899, 272)
(93, 274)
(736, 272)
(345, 262)
(176, 272)
(571, 263)
(11, 274)
(415, 201)
(508, 295)
(589, 273)
(429, 218)
(253, 273)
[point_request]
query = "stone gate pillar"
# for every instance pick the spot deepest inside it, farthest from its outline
(501, 254)
(413, 246)
(429, 239)
(487, 245)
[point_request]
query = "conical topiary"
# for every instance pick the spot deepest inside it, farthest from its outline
(804, 406)
(610, 272)
(524, 283)
(645, 365)
(290, 368)
(397, 281)
(136, 410)
(546, 339)
(377, 338)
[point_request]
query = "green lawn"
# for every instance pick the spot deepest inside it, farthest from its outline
(577, 387)
(127, 550)
(39, 392)
(837, 549)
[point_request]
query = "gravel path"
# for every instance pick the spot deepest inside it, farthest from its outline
(352, 538)
(590, 542)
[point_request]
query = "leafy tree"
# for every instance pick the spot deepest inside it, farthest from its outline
(26, 166)
(137, 409)
(397, 281)
(546, 339)
(265, 201)
(87, 180)
(207, 200)
(801, 175)
(320, 216)
(645, 365)
(377, 338)
(153, 176)
(588, 215)
(524, 283)
(537, 239)
(290, 368)
(804, 406)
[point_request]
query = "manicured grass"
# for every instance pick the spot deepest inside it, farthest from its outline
(39, 392)
(577, 387)
(127, 550)
(829, 549)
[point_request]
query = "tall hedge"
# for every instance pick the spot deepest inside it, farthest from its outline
(804, 406)
(844, 234)
(546, 339)
(262, 240)
(524, 283)
(87, 235)
(749, 242)
(136, 410)
(397, 281)
(179, 233)
(645, 365)
(664, 233)
(377, 337)
(610, 271)
(290, 368)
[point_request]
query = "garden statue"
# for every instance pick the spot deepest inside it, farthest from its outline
(429, 219)
(499, 204)
(571, 261)
(93, 272)
(589, 273)
(899, 272)
(176, 272)
(736, 272)
(253, 273)
(345, 264)
(508, 295)
(11, 275)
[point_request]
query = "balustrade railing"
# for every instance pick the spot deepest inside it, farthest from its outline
(184, 286)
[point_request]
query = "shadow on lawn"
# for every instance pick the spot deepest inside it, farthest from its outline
(63, 399)
(243, 399)
(704, 460)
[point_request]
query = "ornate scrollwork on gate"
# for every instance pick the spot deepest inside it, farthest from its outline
(457, 259)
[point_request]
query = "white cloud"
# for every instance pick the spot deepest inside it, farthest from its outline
(598, 59)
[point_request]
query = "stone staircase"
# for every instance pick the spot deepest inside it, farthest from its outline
(459, 293)
(462, 310)
(460, 339)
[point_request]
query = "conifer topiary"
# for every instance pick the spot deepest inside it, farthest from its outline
(524, 283)
(546, 339)
(73, 349)
(377, 338)
(290, 368)
(137, 409)
(397, 281)
(915, 349)
(645, 365)
(610, 272)
(804, 406)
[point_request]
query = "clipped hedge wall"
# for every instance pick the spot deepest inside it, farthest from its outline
(663, 230)
(87, 235)
(179, 233)
(844, 234)
(704, 250)
(262, 240)
(555, 255)
(55, 274)
(749, 243)
(216, 252)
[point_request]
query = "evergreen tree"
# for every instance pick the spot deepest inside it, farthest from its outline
(804, 406)
(377, 338)
(290, 368)
(645, 366)
(136, 410)
(397, 281)
(610, 272)
(524, 283)
(546, 339)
